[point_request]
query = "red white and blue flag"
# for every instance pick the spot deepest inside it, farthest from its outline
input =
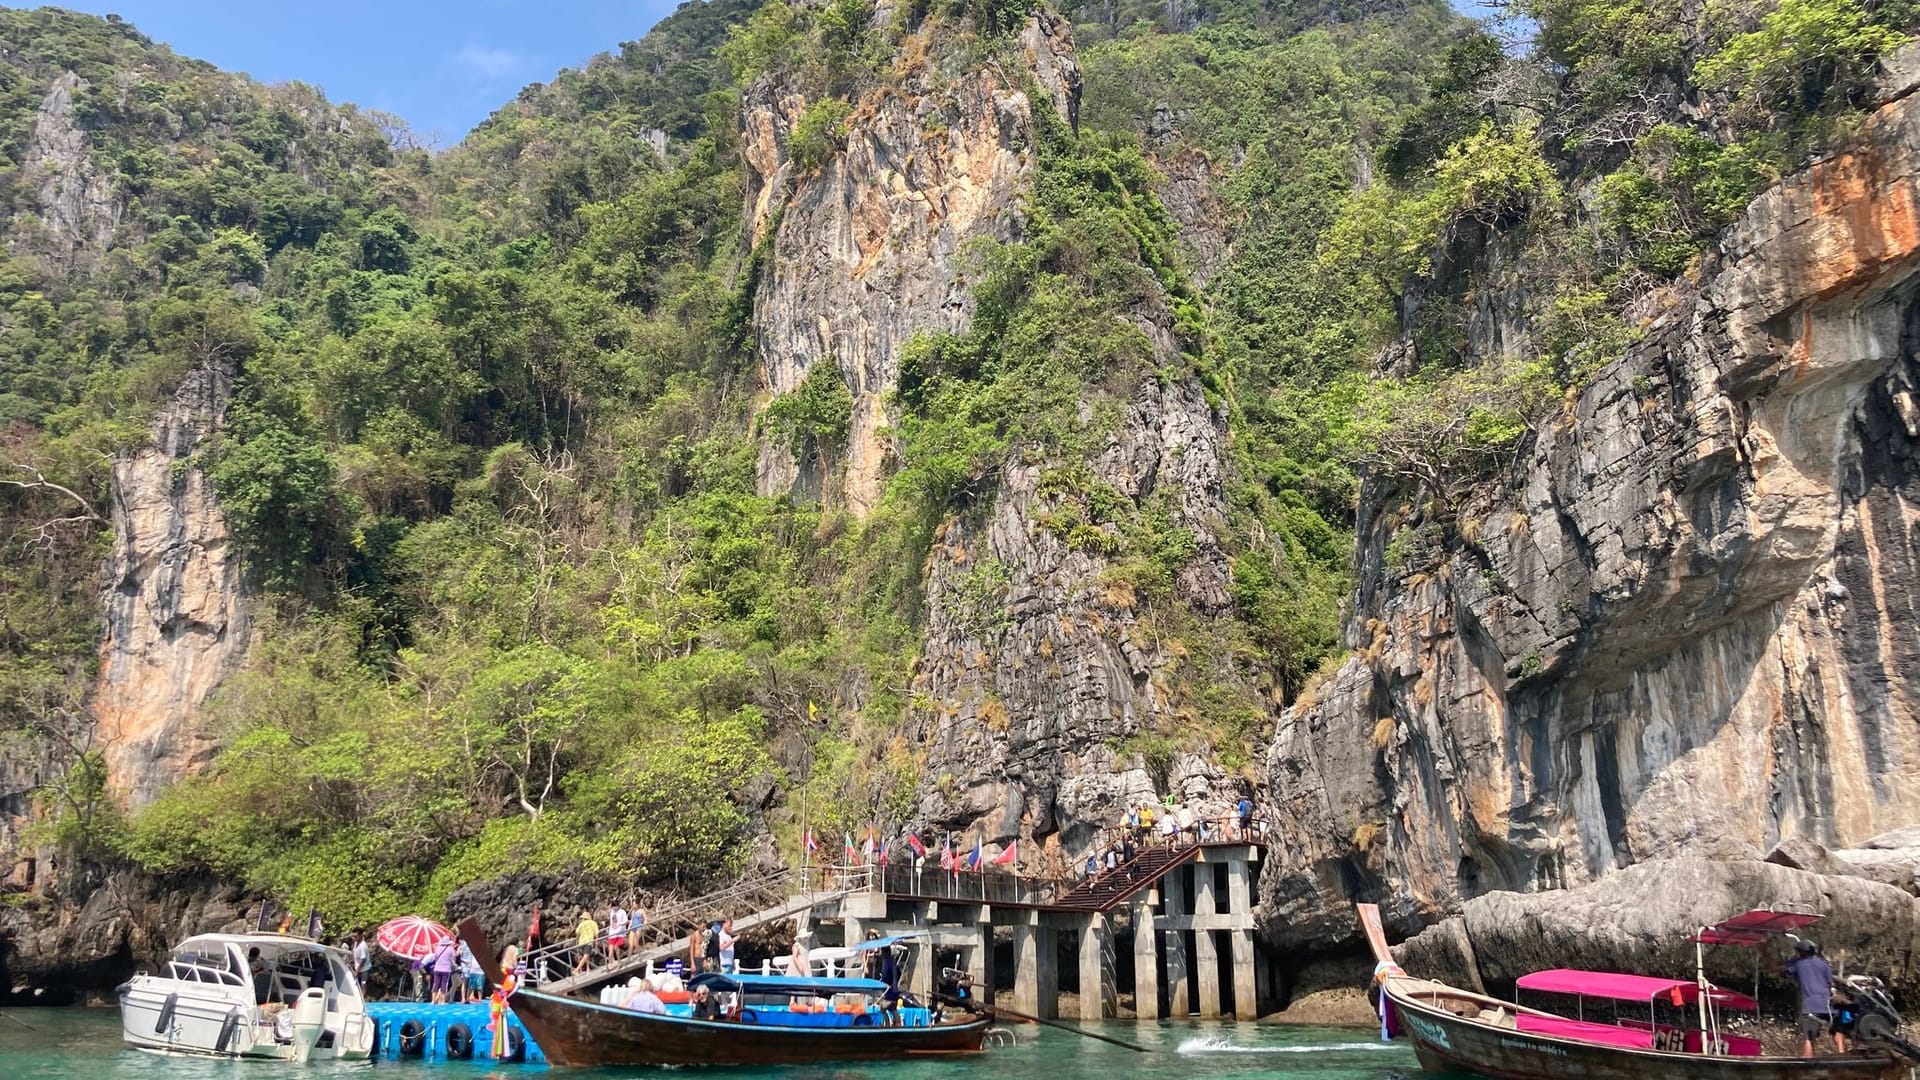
(919, 849)
(973, 860)
(883, 853)
(813, 845)
(947, 861)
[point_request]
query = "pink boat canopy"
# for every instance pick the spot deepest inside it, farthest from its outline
(1754, 927)
(1619, 987)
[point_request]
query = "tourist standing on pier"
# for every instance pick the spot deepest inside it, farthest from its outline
(585, 933)
(635, 924)
(473, 982)
(616, 931)
(362, 960)
(726, 946)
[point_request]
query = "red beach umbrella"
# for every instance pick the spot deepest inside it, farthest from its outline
(411, 936)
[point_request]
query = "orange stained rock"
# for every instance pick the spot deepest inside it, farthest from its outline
(1863, 221)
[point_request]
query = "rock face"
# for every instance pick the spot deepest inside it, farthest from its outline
(1685, 628)
(54, 949)
(1639, 919)
(176, 613)
(866, 250)
(1038, 672)
(77, 208)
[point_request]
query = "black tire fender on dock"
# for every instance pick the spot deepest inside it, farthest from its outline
(459, 1043)
(863, 1020)
(516, 1044)
(373, 1025)
(227, 1027)
(413, 1039)
(166, 1014)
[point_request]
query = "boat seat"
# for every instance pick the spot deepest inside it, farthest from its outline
(1497, 1017)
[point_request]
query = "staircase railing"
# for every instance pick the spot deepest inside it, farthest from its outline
(562, 959)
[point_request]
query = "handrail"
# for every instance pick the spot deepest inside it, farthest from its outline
(680, 917)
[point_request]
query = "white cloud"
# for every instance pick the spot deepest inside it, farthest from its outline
(489, 63)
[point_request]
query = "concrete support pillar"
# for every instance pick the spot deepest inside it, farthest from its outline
(1263, 986)
(1047, 945)
(1026, 968)
(1146, 960)
(1178, 1005)
(1246, 996)
(856, 932)
(1240, 890)
(977, 956)
(1206, 975)
(925, 962)
(1096, 983)
(1206, 961)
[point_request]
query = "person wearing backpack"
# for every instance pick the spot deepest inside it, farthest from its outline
(710, 948)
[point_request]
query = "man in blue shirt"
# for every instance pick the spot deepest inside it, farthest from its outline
(1815, 977)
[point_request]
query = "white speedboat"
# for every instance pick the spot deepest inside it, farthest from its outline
(249, 996)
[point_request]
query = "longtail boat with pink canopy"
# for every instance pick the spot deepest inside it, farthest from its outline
(1606, 1025)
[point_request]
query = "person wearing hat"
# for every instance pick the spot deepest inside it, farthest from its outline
(799, 961)
(1811, 970)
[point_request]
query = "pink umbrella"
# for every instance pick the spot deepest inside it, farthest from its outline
(411, 936)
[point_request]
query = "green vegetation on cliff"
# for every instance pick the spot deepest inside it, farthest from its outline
(490, 457)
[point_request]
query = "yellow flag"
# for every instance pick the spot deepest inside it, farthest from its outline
(813, 711)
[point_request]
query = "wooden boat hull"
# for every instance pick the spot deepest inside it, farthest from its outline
(1447, 1042)
(576, 1033)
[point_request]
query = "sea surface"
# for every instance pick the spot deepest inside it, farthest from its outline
(84, 1044)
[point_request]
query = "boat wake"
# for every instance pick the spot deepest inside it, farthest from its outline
(1213, 1044)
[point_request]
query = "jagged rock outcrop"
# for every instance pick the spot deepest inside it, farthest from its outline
(56, 949)
(176, 612)
(1685, 628)
(1639, 919)
(1038, 668)
(76, 209)
(866, 250)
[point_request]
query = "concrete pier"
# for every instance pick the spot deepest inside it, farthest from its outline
(1175, 933)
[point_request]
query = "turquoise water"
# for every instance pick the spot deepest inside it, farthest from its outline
(84, 1044)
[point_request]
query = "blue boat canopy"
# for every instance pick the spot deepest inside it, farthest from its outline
(887, 942)
(784, 984)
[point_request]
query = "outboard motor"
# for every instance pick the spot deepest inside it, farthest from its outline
(1876, 1022)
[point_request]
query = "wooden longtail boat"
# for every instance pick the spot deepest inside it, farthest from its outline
(765, 1030)
(579, 1033)
(1458, 1030)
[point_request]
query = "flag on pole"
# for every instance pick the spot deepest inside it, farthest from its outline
(973, 860)
(946, 857)
(1009, 855)
(919, 849)
(883, 853)
(867, 849)
(813, 844)
(853, 853)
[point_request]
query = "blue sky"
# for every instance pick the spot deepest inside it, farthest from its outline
(440, 65)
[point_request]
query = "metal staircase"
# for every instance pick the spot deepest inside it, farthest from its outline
(1109, 888)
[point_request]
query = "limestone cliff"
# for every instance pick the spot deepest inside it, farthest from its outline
(865, 251)
(1033, 673)
(1686, 624)
(176, 613)
(73, 208)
